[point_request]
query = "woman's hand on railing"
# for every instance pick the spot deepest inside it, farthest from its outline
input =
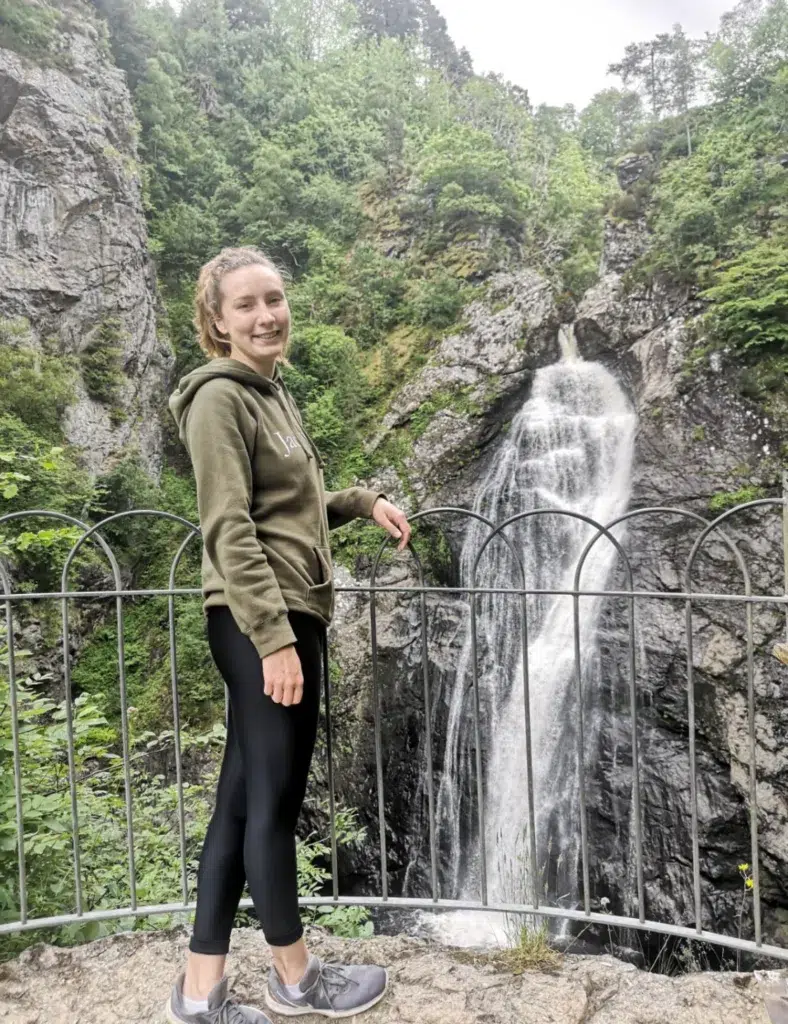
(392, 519)
(282, 676)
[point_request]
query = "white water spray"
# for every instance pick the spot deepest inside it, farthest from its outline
(569, 448)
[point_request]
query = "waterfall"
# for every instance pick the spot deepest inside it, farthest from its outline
(570, 447)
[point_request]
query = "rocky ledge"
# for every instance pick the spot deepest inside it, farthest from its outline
(126, 979)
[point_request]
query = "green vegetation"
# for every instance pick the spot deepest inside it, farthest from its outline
(98, 773)
(101, 366)
(367, 158)
(29, 28)
(457, 400)
(36, 385)
(531, 951)
(750, 299)
(391, 180)
(716, 190)
(721, 502)
(37, 469)
(718, 205)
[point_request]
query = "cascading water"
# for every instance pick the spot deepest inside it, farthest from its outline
(570, 447)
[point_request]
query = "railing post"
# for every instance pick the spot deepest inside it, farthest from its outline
(785, 546)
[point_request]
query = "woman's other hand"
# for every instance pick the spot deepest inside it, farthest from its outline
(392, 519)
(282, 677)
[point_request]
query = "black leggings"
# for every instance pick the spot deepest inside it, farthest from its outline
(262, 783)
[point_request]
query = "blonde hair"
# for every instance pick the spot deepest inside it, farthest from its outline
(208, 296)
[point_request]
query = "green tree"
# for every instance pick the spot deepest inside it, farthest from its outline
(184, 237)
(137, 32)
(467, 182)
(610, 122)
(668, 69)
(396, 18)
(749, 299)
(36, 384)
(28, 28)
(648, 66)
(750, 49)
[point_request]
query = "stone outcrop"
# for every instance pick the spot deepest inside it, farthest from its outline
(126, 980)
(73, 240)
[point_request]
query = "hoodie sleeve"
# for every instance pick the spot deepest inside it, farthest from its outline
(220, 454)
(354, 503)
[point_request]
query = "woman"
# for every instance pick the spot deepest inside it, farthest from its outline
(268, 596)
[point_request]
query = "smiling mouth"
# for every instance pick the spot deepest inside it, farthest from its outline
(266, 337)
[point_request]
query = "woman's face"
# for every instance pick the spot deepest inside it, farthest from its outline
(255, 316)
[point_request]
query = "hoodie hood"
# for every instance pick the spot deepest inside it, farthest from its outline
(183, 396)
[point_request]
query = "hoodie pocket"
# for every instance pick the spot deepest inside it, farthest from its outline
(325, 572)
(320, 596)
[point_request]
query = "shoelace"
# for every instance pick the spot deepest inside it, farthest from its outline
(334, 975)
(228, 1013)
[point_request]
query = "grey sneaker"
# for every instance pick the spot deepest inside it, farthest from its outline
(332, 990)
(221, 1009)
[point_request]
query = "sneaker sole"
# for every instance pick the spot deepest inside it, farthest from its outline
(301, 1011)
(169, 1014)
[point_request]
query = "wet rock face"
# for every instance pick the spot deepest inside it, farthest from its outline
(697, 437)
(73, 241)
(485, 369)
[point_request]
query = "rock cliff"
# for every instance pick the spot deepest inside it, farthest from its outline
(73, 243)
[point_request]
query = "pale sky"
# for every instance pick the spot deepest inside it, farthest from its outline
(559, 50)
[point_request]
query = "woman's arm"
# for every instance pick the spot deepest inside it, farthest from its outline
(354, 503)
(359, 503)
(222, 469)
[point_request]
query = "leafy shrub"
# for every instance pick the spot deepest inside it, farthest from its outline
(53, 479)
(374, 300)
(28, 26)
(437, 300)
(722, 502)
(101, 362)
(468, 181)
(35, 386)
(327, 382)
(625, 207)
(36, 475)
(313, 858)
(46, 807)
(147, 664)
(750, 299)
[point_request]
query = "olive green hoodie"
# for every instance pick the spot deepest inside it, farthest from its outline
(263, 510)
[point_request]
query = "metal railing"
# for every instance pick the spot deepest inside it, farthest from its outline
(717, 528)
